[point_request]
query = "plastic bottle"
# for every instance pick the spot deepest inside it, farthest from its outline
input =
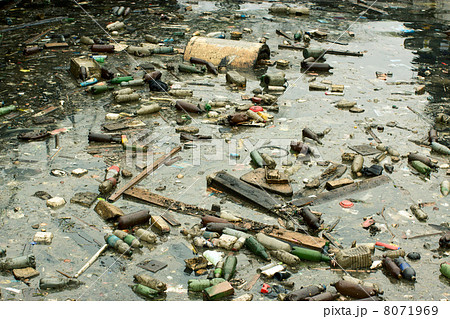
(224, 241)
(407, 271)
(229, 216)
(309, 218)
(213, 256)
(136, 82)
(357, 164)
(325, 296)
(269, 161)
(394, 253)
(210, 235)
(116, 243)
(58, 283)
(285, 257)
(125, 91)
(18, 262)
(239, 243)
(235, 232)
(362, 283)
(190, 69)
(110, 181)
(148, 109)
(88, 82)
(392, 267)
(445, 187)
(102, 48)
(437, 147)
(188, 107)
(130, 220)
(303, 293)
(151, 282)
(316, 66)
(255, 247)
(418, 212)
(97, 89)
(309, 254)
(7, 109)
(103, 138)
(272, 243)
(353, 290)
(128, 239)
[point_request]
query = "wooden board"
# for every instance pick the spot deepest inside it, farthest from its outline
(230, 184)
(343, 191)
(151, 198)
(257, 178)
(155, 199)
(298, 239)
(143, 174)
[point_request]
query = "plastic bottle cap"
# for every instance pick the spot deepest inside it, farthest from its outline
(256, 108)
(346, 204)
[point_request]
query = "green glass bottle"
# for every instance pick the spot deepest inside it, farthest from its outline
(421, 167)
(162, 50)
(97, 89)
(309, 254)
(255, 247)
(229, 267)
(7, 109)
(219, 269)
(445, 269)
(145, 291)
(256, 158)
(121, 79)
(190, 69)
(197, 285)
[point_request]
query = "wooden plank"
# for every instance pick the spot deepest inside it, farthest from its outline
(290, 47)
(155, 199)
(170, 219)
(56, 45)
(343, 191)
(338, 183)
(257, 178)
(143, 174)
(298, 238)
(230, 184)
(148, 197)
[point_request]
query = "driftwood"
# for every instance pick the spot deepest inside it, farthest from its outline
(343, 191)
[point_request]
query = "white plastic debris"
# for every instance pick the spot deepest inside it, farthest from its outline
(43, 238)
(79, 172)
(55, 202)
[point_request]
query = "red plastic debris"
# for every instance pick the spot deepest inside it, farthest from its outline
(346, 204)
(265, 288)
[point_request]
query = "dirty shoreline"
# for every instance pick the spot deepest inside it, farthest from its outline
(400, 85)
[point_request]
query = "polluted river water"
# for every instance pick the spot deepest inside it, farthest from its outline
(383, 82)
